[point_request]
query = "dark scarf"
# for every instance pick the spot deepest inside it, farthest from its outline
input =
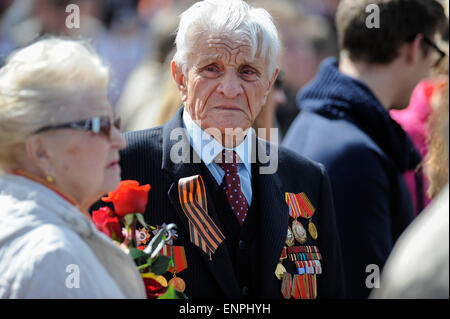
(337, 96)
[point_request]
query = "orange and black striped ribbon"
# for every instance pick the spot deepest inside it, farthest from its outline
(203, 232)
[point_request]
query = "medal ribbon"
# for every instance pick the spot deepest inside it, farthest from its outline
(178, 256)
(299, 205)
(294, 207)
(203, 232)
(306, 208)
(286, 286)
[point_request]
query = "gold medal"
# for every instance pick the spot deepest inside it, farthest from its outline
(290, 237)
(279, 271)
(177, 283)
(312, 230)
(299, 232)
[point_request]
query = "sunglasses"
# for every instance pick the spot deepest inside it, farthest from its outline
(96, 124)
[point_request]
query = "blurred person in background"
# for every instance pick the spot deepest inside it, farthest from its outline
(266, 119)
(144, 101)
(306, 40)
(6, 43)
(59, 152)
(113, 27)
(124, 44)
(414, 120)
(408, 274)
(48, 17)
(345, 124)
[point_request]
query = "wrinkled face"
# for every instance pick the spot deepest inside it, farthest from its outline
(224, 87)
(85, 164)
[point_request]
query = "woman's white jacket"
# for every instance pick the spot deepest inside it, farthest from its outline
(49, 249)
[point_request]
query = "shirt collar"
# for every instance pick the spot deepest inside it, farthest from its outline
(207, 147)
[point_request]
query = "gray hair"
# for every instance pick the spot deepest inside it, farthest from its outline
(234, 17)
(37, 84)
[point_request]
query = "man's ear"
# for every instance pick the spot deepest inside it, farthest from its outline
(413, 51)
(271, 82)
(37, 153)
(178, 76)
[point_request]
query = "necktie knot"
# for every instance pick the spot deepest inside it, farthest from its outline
(230, 161)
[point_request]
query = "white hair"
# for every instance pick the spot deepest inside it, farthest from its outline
(234, 17)
(39, 82)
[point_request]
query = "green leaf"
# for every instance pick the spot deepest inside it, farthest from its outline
(141, 220)
(169, 294)
(150, 261)
(136, 253)
(160, 265)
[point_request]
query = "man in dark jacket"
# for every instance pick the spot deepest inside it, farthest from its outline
(233, 216)
(345, 125)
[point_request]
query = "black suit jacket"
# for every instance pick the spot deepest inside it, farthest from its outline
(147, 160)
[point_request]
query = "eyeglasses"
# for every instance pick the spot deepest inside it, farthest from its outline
(436, 48)
(97, 124)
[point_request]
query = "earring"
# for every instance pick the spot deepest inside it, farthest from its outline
(50, 179)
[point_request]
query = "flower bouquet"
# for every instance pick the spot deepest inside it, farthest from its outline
(121, 224)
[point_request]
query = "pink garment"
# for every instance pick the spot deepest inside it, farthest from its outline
(413, 120)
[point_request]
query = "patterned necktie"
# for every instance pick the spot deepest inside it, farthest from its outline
(232, 185)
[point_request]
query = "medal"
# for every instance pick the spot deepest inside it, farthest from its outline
(299, 231)
(280, 270)
(290, 237)
(299, 205)
(312, 230)
(179, 263)
(144, 236)
(177, 283)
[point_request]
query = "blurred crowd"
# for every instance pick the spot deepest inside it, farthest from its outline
(135, 38)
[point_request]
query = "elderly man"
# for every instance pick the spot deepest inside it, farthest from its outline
(242, 215)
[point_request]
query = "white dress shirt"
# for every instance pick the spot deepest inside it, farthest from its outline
(208, 148)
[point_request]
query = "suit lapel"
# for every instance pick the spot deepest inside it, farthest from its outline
(188, 165)
(274, 219)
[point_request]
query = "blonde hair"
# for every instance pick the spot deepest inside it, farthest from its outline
(437, 158)
(37, 84)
